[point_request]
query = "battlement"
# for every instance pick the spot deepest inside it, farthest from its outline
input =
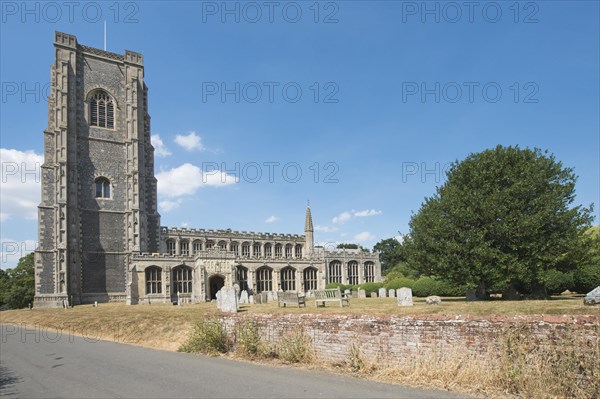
(228, 233)
(67, 40)
(64, 39)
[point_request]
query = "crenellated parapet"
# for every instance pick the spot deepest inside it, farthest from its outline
(226, 234)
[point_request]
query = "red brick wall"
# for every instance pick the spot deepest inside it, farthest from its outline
(398, 337)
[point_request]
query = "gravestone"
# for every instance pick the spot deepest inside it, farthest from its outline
(405, 297)
(592, 297)
(362, 294)
(471, 295)
(433, 300)
(227, 300)
(392, 293)
(264, 297)
(244, 297)
(382, 292)
(251, 299)
(373, 295)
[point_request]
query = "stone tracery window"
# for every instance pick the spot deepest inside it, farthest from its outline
(197, 246)
(288, 250)
(310, 279)
(102, 187)
(171, 247)
(184, 247)
(182, 279)
(264, 279)
(298, 251)
(353, 272)
(369, 272)
(334, 272)
(288, 279)
(102, 110)
(153, 280)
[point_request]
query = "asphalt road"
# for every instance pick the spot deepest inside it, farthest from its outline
(42, 364)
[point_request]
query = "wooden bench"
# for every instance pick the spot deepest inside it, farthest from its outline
(331, 295)
(290, 298)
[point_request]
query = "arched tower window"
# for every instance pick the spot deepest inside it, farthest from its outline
(102, 187)
(102, 110)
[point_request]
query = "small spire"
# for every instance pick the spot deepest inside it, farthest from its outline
(308, 225)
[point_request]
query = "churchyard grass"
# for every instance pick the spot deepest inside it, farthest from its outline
(520, 366)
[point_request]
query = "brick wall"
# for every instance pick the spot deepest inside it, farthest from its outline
(399, 337)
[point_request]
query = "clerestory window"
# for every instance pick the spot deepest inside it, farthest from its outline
(102, 187)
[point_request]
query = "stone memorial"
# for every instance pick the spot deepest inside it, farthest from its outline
(433, 300)
(392, 293)
(244, 297)
(373, 295)
(471, 295)
(405, 297)
(362, 294)
(227, 300)
(592, 297)
(251, 299)
(382, 292)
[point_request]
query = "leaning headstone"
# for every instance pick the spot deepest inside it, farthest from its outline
(592, 297)
(244, 297)
(251, 299)
(373, 295)
(392, 293)
(382, 292)
(227, 300)
(362, 294)
(471, 295)
(405, 297)
(433, 300)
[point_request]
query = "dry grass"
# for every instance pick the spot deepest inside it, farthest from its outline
(165, 326)
(520, 365)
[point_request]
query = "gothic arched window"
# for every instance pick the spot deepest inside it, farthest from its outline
(102, 110)
(102, 187)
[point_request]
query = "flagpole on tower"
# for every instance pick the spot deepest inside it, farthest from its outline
(104, 35)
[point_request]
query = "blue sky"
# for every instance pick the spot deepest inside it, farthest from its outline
(391, 93)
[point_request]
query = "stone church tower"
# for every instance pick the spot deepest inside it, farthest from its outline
(98, 187)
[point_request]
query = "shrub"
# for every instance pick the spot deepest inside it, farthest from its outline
(425, 286)
(399, 282)
(296, 347)
(209, 337)
(557, 281)
(586, 278)
(370, 287)
(250, 343)
(343, 287)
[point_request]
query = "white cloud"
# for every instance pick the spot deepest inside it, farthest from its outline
(342, 218)
(160, 149)
(345, 216)
(367, 213)
(187, 179)
(190, 142)
(169, 205)
(271, 219)
(185, 224)
(21, 192)
(326, 229)
(364, 236)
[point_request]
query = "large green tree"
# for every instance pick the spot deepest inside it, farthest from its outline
(17, 286)
(502, 220)
(391, 253)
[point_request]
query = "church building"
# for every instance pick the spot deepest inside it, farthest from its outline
(100, 237)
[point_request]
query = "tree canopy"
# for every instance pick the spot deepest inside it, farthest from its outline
(17, 286)
(503, 220)
(391, 253)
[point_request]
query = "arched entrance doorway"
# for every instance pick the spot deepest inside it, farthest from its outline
(215, 283)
